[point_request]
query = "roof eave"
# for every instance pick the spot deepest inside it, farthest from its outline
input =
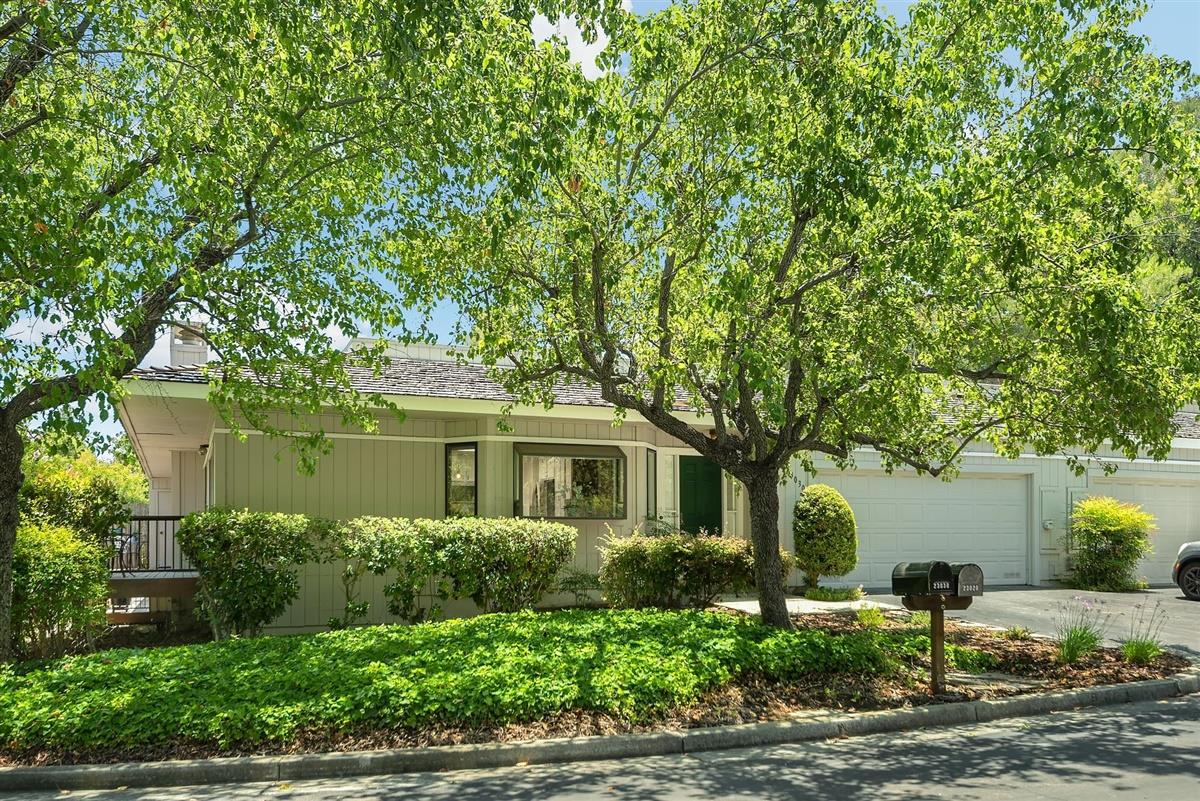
(430, 403)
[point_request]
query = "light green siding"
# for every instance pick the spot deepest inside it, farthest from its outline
(401, 473)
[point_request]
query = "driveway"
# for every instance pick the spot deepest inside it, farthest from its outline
(1037, 609)
(1131, 751)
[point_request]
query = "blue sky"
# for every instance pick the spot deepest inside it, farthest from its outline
(1172, 27)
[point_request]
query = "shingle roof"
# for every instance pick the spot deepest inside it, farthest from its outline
(414, 377)
(443, 379)
(1186, 425)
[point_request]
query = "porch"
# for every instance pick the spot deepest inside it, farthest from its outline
(150, 578)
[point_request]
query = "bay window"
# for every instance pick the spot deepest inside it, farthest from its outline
(569, 481)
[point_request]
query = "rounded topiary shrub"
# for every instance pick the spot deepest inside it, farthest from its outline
(824, 534)
(1108, 539)
(60, 583)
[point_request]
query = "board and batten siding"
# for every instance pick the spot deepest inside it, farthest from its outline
(402, 474)
(182, 492)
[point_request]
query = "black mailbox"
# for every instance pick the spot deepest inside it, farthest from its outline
(922, 578)
(968, 579)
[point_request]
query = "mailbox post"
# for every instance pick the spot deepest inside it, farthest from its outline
(935, 587)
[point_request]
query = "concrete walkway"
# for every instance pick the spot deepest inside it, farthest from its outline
(799, 605)
(1134, 751)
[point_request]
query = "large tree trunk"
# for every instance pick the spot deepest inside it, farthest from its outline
(764, 535)
(11, 450)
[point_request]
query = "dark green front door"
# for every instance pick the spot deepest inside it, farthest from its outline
(699, 495)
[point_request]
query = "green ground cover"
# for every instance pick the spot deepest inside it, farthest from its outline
(487, 670)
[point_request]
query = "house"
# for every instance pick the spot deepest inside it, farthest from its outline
(451, 456)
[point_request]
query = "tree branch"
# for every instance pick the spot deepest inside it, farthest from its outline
(14, 25)
(40, 116)
(849, 268)
(130, 173)
(138, 338)
(38, 50)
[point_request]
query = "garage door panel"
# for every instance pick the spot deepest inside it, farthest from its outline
(981, 519)
(1176, 508)
(884, 541)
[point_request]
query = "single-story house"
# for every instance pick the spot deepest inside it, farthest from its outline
(570, 462)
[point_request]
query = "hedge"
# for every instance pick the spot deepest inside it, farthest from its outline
(678, 569)
(249, 563)
(60, 585)
(502, 564)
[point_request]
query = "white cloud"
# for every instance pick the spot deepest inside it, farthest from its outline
(583, 53)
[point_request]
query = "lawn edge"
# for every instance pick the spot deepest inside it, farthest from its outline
(802, 727)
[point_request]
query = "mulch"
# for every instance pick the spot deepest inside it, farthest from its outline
(747, 701)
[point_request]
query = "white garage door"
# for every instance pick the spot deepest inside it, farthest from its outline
(974, 518)
(1176, 507)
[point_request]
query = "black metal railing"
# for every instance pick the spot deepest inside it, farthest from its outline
(148, 543)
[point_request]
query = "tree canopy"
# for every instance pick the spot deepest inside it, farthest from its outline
(231, 162)
(829, 231)
(72, 487)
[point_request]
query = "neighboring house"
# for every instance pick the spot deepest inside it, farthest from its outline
(570, 462)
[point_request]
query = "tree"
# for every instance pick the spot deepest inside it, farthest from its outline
(80, 492)
(826, 231)
(165, 161)
(1174, 266)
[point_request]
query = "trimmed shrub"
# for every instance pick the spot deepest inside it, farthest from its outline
(381, 545)
(670, 571)
(248, 564)
(502, 564)
(60, 583)
(1108, 539)
(824, 534)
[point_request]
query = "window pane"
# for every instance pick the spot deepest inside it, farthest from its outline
(460, 481)
(572, 486)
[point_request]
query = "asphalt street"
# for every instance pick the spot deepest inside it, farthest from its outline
(1136, 751)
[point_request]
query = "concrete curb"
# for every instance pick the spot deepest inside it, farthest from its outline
(579, 749)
